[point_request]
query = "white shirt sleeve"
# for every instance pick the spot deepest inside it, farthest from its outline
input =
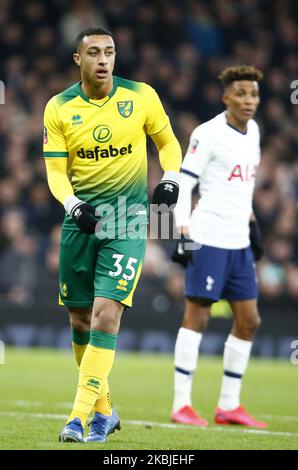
(198, 153)
(182, 210)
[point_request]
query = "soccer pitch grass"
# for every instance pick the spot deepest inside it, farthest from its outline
(38, 387)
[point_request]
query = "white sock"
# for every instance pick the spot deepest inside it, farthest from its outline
(235, 360)
(186, 357)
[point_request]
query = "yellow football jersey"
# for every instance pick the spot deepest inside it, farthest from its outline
(104, 141)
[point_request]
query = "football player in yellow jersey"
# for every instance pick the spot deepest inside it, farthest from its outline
(95, 154)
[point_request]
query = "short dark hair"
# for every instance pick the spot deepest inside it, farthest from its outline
(240, 72)
(91, 32)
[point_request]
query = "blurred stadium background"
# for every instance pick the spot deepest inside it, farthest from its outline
(178, 47)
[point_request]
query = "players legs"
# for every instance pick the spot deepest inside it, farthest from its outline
(104, 275)
(94, 343)
(236, 356)
(204, 280)
(219, 273)
(195, 320)
(98, 357)
(235, 360)
(241, 291)
(80, 321)
(237, 351)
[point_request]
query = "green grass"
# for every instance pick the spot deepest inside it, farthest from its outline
(38, 386)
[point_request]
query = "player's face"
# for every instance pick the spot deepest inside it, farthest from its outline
(242, 99)
(96, 58)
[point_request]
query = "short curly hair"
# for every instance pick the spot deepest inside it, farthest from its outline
(240, 72)
(91, 32)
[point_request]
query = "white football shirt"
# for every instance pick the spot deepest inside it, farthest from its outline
(224, 161)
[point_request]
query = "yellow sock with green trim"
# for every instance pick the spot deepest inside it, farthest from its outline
(95, 367)
(79, 343)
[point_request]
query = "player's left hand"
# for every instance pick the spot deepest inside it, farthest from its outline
(166, 192)
(256, 240)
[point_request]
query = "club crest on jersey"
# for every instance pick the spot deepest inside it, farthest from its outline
(193, 146)
(125, 108)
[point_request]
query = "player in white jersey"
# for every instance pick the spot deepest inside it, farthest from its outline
(219, 243)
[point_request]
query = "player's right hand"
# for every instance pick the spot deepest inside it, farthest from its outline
(183, 252)
(82, 213)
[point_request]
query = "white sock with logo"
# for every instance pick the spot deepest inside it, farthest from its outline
(186, 357)
(235, 360)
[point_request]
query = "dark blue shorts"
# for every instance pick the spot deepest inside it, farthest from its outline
(217, 273)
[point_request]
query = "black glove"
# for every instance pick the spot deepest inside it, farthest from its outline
(166, 192)
(182, 254)
(256, 240)
(83, 215)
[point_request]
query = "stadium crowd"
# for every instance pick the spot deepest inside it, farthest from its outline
(178, 47)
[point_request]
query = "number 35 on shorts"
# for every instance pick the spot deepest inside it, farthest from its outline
(128, 270)
(121, 277)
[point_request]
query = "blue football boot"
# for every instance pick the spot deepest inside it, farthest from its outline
(72, 432)
(102, 426)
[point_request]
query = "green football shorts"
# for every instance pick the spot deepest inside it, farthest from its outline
(89, 267)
